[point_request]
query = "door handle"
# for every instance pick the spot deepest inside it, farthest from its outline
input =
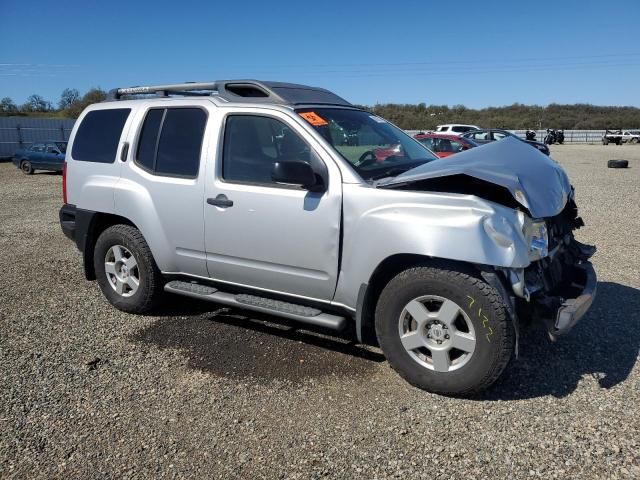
(221, 200)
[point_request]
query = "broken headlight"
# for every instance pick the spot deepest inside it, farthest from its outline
(535, 231)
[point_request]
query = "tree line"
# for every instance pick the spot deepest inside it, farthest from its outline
(70, 105)
(407, 116)
(512, 117)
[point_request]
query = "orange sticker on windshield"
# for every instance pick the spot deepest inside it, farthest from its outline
(314, 119)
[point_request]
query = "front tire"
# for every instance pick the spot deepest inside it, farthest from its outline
(444, 330)
(126, 271)
(26, 167)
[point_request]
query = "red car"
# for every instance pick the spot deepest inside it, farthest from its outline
(445, 145)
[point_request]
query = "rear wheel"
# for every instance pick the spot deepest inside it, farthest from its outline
(126, 271)
(444, 330)
(634, 140)
(26, 167)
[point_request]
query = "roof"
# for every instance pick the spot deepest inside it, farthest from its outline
(238, 91)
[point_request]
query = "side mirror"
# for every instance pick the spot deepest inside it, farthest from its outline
(296, 173)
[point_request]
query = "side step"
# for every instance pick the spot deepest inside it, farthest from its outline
(301, 313)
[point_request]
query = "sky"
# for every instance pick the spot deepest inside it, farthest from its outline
(474, 53)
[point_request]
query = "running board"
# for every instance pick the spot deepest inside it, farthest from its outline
(300, 313)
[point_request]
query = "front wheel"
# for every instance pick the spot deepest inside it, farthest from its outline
(443, 330)
(126, 271)
(26, 167)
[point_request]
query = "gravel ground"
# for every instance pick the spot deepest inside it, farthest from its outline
(87, 391)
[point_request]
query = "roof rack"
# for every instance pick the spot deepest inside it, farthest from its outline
(248, 91)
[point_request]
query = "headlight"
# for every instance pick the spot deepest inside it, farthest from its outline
(538, 238)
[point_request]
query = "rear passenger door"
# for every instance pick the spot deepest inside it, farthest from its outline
(270, 236)
(161, 189)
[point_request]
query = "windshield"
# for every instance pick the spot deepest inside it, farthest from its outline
(374, 148)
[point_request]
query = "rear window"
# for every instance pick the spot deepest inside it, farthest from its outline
(171, 140)
(98, 136)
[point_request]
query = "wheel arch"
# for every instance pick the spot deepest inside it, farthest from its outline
(388, 268)
(90, 226)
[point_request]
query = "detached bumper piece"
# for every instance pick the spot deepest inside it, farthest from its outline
(563, 287)
(573, 309)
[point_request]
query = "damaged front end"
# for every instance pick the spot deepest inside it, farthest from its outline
(549, 277)
(559, 287)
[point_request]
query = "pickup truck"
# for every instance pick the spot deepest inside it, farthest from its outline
(620, 136)
(41, 156)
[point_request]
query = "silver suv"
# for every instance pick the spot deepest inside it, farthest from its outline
(286, 199)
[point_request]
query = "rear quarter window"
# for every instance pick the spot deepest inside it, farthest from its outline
(98, 136)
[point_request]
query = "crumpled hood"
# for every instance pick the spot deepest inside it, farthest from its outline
(535, 180)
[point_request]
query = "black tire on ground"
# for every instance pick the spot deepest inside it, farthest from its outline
(26, 167)
(150, 290)
(481, 304)
(618, 163)
(633, 140)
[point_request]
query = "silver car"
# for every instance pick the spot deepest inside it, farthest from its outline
(288, 200)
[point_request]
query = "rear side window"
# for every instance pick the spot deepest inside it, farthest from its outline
(171, 141)
(98, 136)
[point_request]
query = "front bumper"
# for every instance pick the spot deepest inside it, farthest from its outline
(573, 309)
(562, 287)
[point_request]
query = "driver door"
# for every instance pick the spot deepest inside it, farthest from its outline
(262, 234)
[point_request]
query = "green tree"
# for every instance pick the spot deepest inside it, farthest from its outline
(35, 103)
(7, 106)
(94, 95)
(68, 97)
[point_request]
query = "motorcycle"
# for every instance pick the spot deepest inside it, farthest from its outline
(554, 136)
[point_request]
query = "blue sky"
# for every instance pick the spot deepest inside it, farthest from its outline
(476, 53)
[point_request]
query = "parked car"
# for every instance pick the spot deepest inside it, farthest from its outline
(41, 156)
(433, 261)
(445, 145)
(454, 129)
(620, 136)
(492, 134)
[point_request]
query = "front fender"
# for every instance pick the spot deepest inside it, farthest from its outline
(457, 227)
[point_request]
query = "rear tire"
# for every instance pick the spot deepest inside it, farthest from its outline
(126, 271)
(633, 140)
(26, 167)
(411, 317)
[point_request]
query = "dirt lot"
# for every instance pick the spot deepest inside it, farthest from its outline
(86, 391)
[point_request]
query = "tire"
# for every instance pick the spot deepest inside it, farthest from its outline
(26, 167)
(605, 141)
(478, 305)
(633, 140)
(118, 285)
(618, 163)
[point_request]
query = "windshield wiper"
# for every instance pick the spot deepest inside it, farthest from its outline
(390, 172)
